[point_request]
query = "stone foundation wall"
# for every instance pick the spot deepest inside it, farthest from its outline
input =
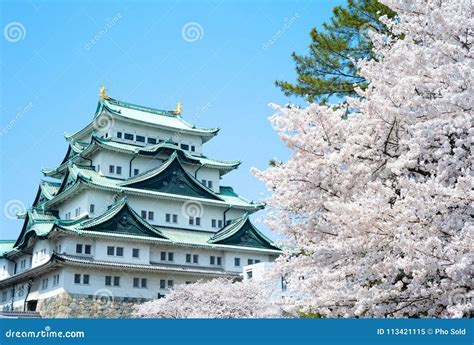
(82, 306)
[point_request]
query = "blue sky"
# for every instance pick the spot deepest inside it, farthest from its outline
(56, 54)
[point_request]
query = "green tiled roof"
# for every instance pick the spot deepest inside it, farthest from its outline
(6, 246)
(164, 119)
(84, 149)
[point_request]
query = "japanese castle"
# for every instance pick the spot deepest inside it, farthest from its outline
(134, 208)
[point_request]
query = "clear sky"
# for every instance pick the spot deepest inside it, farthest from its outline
(220, 58)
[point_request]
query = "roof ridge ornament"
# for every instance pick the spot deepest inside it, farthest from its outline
(179, 108)
(102, 93)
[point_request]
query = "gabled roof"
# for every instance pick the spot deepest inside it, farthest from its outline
(120, 218)
(46, 191)
(171, 178)
(85, 149)
(36, 223)
(165, 119)
(6, 246)
(242, 232)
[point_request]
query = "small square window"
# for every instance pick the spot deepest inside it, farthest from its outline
(257, 261)
(209, 184)
(163, 256)
(119, 170)
(219, 260)
(151, 141)
(204, 182)
(250, 262)
(79, 248)
(237, 262)
(195, 258)
(143, 214)
(185, 146)
(144, 282)
(119, 251)
(213, 260)
(136, 171)
(91, 208)
(108, 280)
(151, 215)
(188, 258)
(170, 284)
(162, 284)
(168, 218)
(128, 136)
(140, 138)
(198, 221)
(213, 223)
(87, 249)
(219, 224)
(136, 282)
(193, 148)
(119, 135)
(112, 169)
(191, 220)
(175, 218)
(116, 281)
(110, 250)
(85, 279)
(135, 252)
(170, 256)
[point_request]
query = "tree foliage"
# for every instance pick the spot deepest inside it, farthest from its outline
(379, 205)
(329, 69)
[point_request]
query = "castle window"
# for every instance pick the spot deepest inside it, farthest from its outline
(193, 148)
(85, 279)
(213, 260)
(116, 281)
(128, 136)
(170, 256)
(136, 172)
(143, 214)
(119, 251)
(170, 284)
(135, 252)
(191, 220)
(108, 280)
(87, 249)
(168, 217)
(162, 284)
(209, 184)
(91, 208)
(119, 135)
(257, 261)
(79, 248)
(204, 182)
(219, 223)
(4, 296)
(163, 256)
(119, 170)
(151, 141)
(236, 262)
(56, 279)
(198, 221)
(44, 283)
(219, 261)
(112, 169)
(144, 283)
(250, 262)
(175, 218)
(195, 258)
(151, 215)
(213, 223)
(110, 250)
(140, 138)
(78, 211)
(188, 258)
(185, 146)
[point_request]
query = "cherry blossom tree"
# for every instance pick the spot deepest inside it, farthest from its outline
(218, 298)
(378, 198)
